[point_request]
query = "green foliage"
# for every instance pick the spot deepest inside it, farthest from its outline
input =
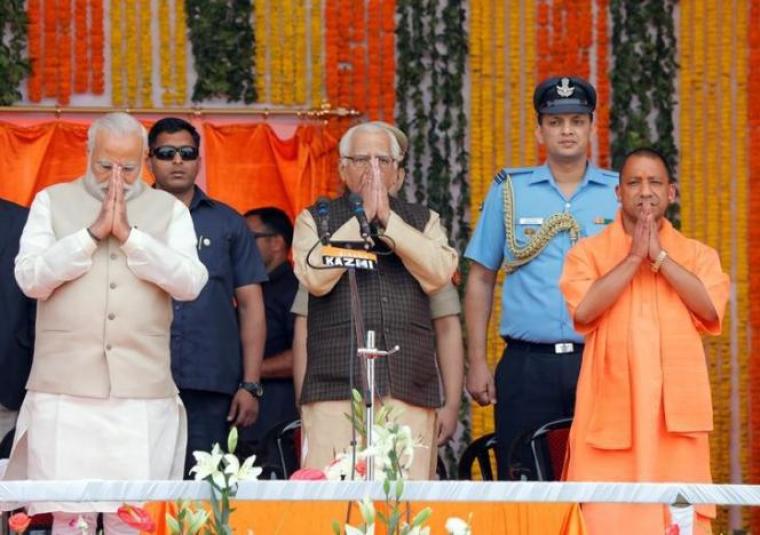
(643, 80)
(431, 41)
(221, 33)
(431, 46)
(14, 66)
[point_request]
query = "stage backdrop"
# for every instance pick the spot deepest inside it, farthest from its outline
(458, 76)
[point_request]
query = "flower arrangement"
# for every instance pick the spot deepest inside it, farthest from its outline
(392, 453)
(223, 471)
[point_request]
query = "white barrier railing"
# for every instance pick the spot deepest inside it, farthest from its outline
(429, 491)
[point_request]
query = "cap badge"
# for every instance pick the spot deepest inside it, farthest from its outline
(564, 89)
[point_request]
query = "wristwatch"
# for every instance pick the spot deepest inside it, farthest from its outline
(255, 389)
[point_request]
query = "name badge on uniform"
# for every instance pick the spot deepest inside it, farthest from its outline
(531, 221)
(602, 220)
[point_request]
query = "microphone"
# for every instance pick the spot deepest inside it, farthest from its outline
(357, 207)
(323, 214)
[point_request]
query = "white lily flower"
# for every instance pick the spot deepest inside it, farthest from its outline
(232, 467)
(457, 526)
(238, 472)
(249, 472)
(207, 464)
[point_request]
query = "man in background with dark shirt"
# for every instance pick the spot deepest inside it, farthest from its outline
(17, 325)
(273, 232)
(216, 347)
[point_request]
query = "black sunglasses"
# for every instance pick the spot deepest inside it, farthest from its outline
(167, 152)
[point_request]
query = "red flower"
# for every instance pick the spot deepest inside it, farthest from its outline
(308, 474)
(361, 467)
(136, 517)
(19, 522)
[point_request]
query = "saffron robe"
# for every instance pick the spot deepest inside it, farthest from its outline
(643, 407)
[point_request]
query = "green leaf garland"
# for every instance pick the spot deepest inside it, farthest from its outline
(644, 73)
(221, 33)
(14, 65)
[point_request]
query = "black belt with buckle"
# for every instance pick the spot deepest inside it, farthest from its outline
(560, 348)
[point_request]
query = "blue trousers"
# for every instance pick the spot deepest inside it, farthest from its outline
(206, 422)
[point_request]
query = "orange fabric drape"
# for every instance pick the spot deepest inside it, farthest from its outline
(298, 518)
(247, 165)
(34, 157)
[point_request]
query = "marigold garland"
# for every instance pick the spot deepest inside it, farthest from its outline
(276, 50)
(315, 39)
(117, 55)
(285, 51)
(388, 58)
(165, 53)
(50, 50)
(374, 54)
(146, 54)
(81, 56)
(34, 82)
(602, 84)
(180, 53)
(96, 46)
(130, 59)
(263, 44)
(529, 82)
(740, 239)
(300, 57)
(344, 57)
(332, 40)
(64, 51)
(752, 118)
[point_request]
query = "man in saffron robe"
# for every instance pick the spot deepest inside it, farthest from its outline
(642, 293)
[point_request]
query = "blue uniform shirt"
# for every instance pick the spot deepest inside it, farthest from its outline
(205, 343)
(533, 308)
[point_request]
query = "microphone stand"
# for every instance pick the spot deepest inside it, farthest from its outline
(370, 354)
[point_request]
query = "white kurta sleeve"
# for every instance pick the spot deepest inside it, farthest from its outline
(174, 265)
(44, 262)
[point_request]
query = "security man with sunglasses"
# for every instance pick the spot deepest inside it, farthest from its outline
(217, 341)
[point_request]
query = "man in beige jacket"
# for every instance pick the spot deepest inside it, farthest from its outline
(104, 255)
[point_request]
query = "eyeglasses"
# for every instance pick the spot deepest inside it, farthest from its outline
(167, 152)
(364, 162)
(106, 166)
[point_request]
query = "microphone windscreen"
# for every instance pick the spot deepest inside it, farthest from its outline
(356, 202)
(322, 206)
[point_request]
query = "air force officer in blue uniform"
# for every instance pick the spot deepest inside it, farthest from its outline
(530, 219)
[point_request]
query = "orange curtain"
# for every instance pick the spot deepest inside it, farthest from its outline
(36, 156)
(247, 165)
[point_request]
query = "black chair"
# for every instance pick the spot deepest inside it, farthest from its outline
(288, 441)
(548, 445)
(482, 451)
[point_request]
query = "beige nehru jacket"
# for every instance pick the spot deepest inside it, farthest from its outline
(105, 333)
(444, 302)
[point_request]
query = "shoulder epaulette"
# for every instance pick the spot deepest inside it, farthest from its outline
(501, 176)
(609, 173)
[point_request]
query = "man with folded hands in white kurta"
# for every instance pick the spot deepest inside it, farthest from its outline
(104, 255)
